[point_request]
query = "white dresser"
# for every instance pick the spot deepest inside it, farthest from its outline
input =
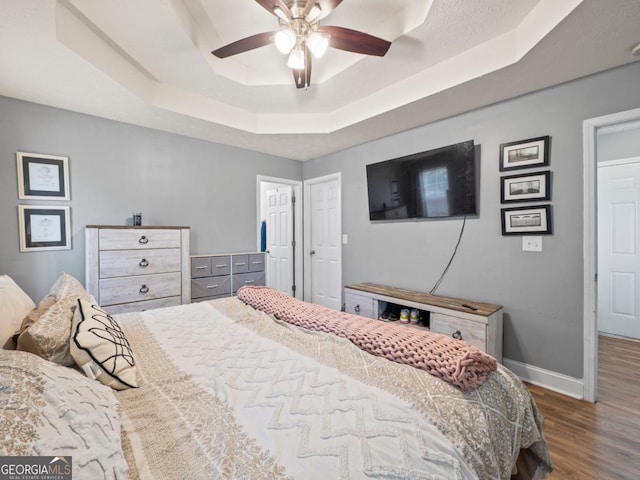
(137, 268)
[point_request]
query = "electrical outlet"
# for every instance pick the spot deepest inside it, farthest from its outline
(531, 244)
(345, 239)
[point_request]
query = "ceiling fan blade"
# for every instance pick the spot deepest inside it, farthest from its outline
(270, 6)
(302, 76)
(244, 45)
(326, 7)
(354, 41)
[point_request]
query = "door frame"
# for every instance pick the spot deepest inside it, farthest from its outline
(297, 231)
(590, 245)
(307, 229)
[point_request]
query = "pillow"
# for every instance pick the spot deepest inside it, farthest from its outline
(100, 347)
(49, 334)
(48, 409)
(14, 306)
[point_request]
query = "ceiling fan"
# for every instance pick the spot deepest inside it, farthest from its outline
(301, 36)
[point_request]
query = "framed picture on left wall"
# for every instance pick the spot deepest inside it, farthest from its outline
(42, 177)
(44, 228)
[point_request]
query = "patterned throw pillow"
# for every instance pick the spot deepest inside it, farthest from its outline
(50, 330)
(100, 347)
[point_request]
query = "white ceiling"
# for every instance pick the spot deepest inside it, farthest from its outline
(148, 62)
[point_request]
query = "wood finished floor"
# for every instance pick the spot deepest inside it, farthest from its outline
(602, 440)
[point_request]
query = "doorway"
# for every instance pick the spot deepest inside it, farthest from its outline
(281, 211)
(618, 248)
(591, 129)
(323, 240)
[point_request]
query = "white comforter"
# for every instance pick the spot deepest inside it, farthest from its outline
(229, 392)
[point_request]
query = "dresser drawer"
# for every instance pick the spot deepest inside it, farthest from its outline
(200, 267)
(471, 332)
(210, 286)
(221, 265)
(252, 278)
(240, 263)
(128, 239)
(139, 288)
(358, 304)
(256, 262)
(122, 263)
(141, 306)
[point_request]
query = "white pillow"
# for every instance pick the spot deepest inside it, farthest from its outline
(99, 347)
(15, 305)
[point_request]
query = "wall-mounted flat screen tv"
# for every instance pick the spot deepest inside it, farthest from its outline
(437, 183)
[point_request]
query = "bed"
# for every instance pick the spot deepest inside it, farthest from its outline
(226, 389)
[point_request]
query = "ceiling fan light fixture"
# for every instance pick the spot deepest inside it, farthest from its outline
(318, 43)
(285, 40)
(278, 12)
(296, 59)
(314, 13)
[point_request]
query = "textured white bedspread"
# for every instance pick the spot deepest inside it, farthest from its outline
(229, 392)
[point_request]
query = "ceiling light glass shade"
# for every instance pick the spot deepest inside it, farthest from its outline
(280, 13)
(318, 43)
(285, 40)
(296, 59)
(314, 12)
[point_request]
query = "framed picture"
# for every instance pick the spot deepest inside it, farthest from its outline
(525, 188)
(524, 154)
(44, 228)
(526, 220)
(42, 177)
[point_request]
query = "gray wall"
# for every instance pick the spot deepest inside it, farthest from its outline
(541, 292)
(117, 169)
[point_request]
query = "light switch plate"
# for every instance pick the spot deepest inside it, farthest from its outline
(345, 239)
(531, 244)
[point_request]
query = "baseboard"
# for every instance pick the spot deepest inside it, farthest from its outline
(557, 382)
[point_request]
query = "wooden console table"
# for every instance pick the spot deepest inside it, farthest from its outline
(479, 324)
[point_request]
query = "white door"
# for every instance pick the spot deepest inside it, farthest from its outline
(618, 245)
(280, 247)
(323, 223)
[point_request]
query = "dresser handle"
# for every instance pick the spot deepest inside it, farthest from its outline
(457, 335)
(246, 282)
(144, 289)
(357, 309)
(144, 263)
(201, 267)
(143, 240)
(213, 286)
(257, 263)
(221, 266)
(241, 264)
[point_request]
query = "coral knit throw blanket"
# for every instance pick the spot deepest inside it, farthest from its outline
(453, 360)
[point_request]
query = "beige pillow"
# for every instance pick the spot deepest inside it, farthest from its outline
(49, 334)
(15, 305)
(100, 348)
